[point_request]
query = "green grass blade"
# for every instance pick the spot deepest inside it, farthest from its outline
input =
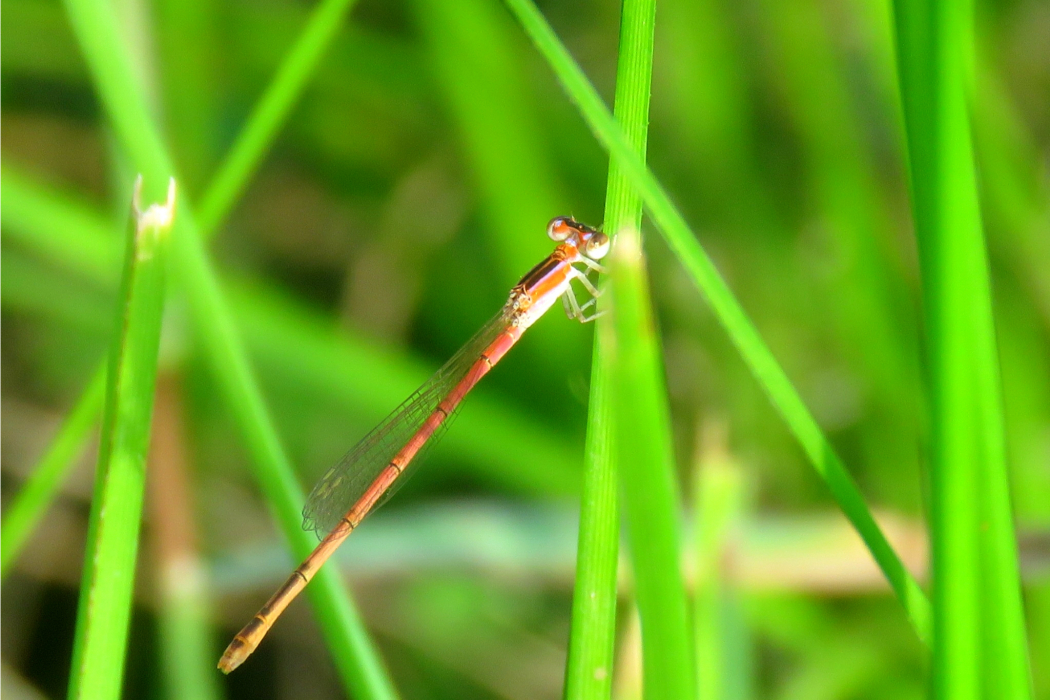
(741, 330)
(1018, 209)
(980, 644)
(28, 507)
(189, 53)
(473, 48)
(638, 401)
(104, 613)
(32, 207)
(495, 439)
(270, 113)
(645, 458)
(51, 223)
(593, 634)
(717, 504)
(124, 100)
(841, 176)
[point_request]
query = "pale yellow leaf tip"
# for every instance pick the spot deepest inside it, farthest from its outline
(159, 216)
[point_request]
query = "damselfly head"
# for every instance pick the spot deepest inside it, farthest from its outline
(591, 242)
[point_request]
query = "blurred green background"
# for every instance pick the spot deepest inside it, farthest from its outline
(408, 190)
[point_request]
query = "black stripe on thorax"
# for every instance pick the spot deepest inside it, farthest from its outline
(545, 267)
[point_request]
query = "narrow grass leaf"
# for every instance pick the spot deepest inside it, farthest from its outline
(270, 112)
(717, 505)
(645, 458)
(106, 591)
(592, 640)
(189, 53)
(356, 658)
(124, 100)
(980, 643)
(592, 636)
(31, 207)
(472, 48)
(28, 507)
(741, 330)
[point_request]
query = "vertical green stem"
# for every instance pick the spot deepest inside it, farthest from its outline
(641, 418)
(251, 145)
(124, 100)
(717, 505)
(646, 463)
(104, 613)
(980, 645)
(592, 640)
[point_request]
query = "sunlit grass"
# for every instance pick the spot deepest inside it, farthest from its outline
(810, 206)
(270, 113)
(589, 669)
(123, 98)
(108, 578)
(980, 640)
(732, 315)
(645, 457)
(30, 505)
(718, 498)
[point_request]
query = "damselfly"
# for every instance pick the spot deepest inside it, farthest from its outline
(370, 473)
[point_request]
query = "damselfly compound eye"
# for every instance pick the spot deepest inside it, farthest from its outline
(559, 229)
(597, 246)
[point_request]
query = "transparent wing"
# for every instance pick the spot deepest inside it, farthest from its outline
(342, 485)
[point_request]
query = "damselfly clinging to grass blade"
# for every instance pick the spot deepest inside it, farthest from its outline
(370, 473)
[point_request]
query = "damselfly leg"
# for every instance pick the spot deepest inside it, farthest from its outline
(573, 309)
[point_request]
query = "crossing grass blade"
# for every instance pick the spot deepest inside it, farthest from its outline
(28, 507)
(980, 641)
(126, 106)
(502, 144)
(270, 113)
(104, 613)
(742, 331)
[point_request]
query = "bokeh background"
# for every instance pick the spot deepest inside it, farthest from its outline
(407, 192)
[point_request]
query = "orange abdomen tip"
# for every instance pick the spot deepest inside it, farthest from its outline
(235, 655)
